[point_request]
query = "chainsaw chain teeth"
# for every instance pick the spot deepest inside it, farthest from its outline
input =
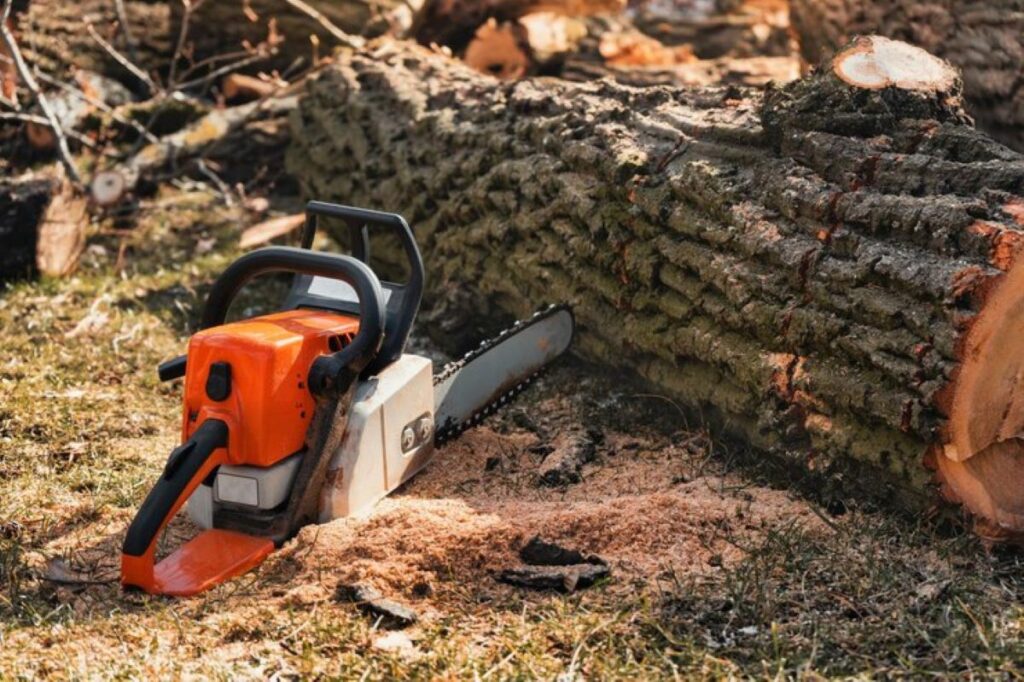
(452, 431)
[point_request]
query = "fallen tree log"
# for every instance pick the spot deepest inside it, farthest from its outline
(829, 273)
(54, 37)
(985, 39)
(223, 26)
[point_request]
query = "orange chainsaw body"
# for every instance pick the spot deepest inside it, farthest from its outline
(261, 402)
(269, 407)
(267, 410)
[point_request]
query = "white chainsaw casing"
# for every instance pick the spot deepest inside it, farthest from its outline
(369, 463)
(371, 460)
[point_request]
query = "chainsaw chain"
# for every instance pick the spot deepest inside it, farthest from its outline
(451, 431)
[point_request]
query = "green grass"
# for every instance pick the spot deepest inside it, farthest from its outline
(84, 426)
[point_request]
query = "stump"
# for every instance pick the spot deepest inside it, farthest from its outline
(984, 39)
(829, 271)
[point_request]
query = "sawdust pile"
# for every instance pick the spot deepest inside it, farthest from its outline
(646, 509)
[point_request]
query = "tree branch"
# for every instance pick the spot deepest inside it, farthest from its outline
(346, 39)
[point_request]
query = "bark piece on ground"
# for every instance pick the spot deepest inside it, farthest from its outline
(560, 578)
(800, 270)
(984, 39)
(562, 465)
(393, 616)
(62, 231)
(540, 552)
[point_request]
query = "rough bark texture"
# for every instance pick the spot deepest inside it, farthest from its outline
(220, 26)
(53, 37)
(984, 38)
(800, 270)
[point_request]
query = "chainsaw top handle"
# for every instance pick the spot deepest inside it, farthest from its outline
(402, 301)
(327, 372)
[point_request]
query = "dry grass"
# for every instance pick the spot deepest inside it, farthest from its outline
(725, 588)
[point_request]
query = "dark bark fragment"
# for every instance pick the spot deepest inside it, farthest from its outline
(394, 616)
(562, 465)
(540, 552)
(561, 578)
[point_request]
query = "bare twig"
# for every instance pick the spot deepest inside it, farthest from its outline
(186, 17)
(222, 187)
(30, 83)
(226, 69)
(126, 29)
(121, 59)
(346, 39)
(215, 59)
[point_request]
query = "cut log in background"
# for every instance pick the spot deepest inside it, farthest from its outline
(984, 38)
(829, 272)
(53, 35)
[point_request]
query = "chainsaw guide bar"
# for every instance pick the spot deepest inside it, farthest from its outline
(450, 426)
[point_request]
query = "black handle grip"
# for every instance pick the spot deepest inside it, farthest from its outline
(327, 371)
(172, 369)
(359, 220)
(182, 466)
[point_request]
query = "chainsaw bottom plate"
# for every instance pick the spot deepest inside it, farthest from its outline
(209, 559)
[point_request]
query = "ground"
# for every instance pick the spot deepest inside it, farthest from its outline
(719, 568)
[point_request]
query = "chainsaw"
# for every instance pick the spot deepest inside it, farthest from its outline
(314, 412)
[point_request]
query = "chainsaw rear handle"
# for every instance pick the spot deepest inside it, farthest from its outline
(187, 466)
(326, 372)
(405, 298)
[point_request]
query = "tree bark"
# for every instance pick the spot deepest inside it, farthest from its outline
(803, 269)
(983, 38)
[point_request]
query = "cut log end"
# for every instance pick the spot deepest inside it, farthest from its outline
(874, 62)
(107, 187)
(983, 462)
